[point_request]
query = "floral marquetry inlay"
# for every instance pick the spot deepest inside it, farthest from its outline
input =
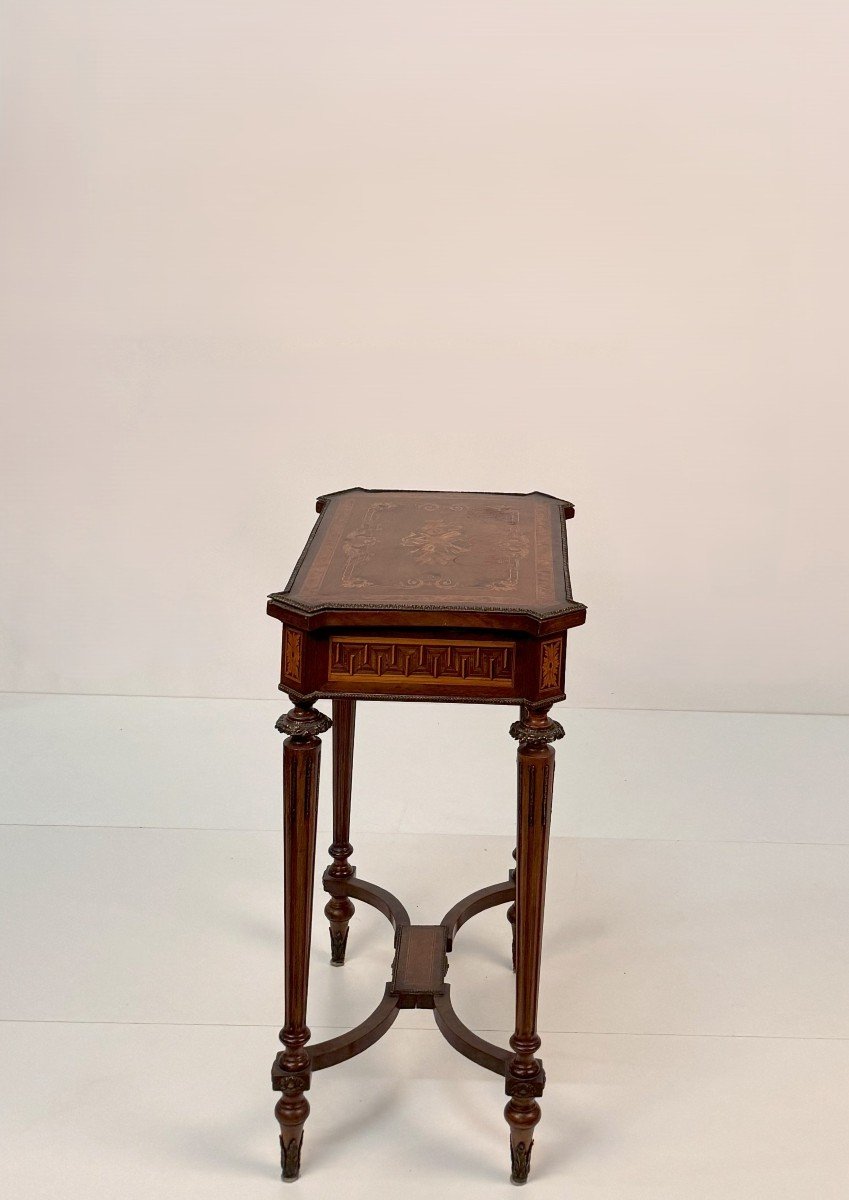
(292, 652)
(441, 552)
(436, 542)
(549, 674)
(446, 544)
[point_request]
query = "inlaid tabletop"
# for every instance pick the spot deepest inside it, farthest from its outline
(487, 552)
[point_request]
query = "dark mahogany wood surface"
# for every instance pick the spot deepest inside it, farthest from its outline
(469, 558)
(430, 596)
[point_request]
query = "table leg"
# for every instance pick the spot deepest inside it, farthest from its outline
(301, 758)
(339, 909)
(525, 1078)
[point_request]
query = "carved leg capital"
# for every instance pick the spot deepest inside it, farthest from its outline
(303, 723)
(536, 727)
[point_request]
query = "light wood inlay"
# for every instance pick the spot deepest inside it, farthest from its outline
(549, 671)
(292, 653)
(486, 664)
(454, 548)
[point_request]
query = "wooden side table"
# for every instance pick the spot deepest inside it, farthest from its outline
(451, 596)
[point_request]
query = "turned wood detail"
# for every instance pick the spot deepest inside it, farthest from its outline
(421, 951)
(291, 1072)
(449, 597)
(339, 908)
(525, 1078)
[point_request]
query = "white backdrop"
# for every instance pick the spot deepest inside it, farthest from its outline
(253, 252)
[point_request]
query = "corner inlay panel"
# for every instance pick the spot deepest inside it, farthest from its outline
(292, 644)
(549, 671)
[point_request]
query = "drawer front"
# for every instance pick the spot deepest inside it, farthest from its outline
(402, 664)
(422, 665)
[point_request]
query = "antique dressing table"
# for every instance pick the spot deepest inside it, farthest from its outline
(450, 596)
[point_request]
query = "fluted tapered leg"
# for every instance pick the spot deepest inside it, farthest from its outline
(340, 909)
(291, 1074)
(525, 1078)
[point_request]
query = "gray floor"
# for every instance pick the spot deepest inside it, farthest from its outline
(695, 1002)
